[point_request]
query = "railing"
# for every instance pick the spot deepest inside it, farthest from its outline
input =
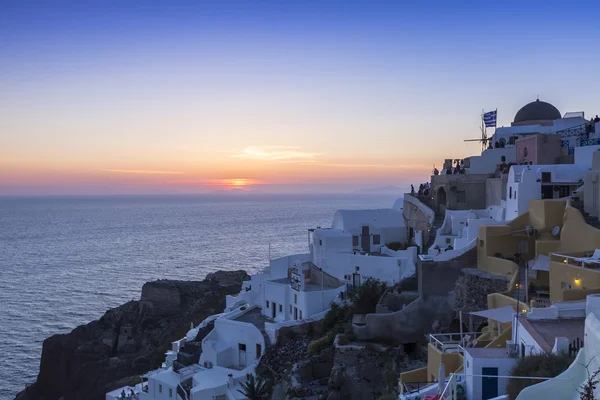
(415, 387)
(452, 341)
(578, 130)
(589, 142)
(577, 260)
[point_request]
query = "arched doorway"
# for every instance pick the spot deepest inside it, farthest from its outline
(441, 200)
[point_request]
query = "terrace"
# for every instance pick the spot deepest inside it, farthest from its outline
(588, 259)
(454, 342)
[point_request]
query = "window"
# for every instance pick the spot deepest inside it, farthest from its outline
(510, 192)
(515, 193)
(564, 191)
(481, 243)
(268, 304)
(290, 308)
(461, 196)
(448, 240)
(295, 298)
(354, 241)
(546, 177)
(170, 392)
(159, 388)
(357, 268)
(258, 350)
(376, 239)
(566, 285)
(241, 347)
(525, 152)
(320, 243)
(280, 308)
(300, 314)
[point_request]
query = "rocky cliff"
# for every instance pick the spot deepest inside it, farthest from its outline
(128, 340)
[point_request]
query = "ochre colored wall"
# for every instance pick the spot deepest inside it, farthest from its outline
(452, 361)
(546, 247)
(416, 375)
(588, 279)
(576, 235)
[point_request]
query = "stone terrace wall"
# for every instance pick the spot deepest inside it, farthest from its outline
(473, 287)
(439, 277)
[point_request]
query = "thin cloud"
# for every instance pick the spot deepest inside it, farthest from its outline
(219, 182)
(375, 166)
(143, 171)
(276, 153)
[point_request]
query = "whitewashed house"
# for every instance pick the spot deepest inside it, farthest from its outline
(534, 182)
(461, 227)
(587, 361)
(371, 229)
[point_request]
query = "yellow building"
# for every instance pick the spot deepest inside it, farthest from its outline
(550, 230)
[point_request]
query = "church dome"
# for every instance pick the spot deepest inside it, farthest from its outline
(536, 111)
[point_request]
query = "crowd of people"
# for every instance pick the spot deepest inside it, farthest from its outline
(424, 189)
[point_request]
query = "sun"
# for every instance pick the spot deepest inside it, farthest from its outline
(239, 183)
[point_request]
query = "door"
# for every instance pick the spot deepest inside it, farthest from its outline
(366, 239)
(355, 280)
(295, 313)
(242, 354)
(547, 192)
(489, 386)
(274, 310)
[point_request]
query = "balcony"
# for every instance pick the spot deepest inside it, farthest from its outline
(588, 260)
(454, 342)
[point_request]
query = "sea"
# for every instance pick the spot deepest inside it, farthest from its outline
(64, 261)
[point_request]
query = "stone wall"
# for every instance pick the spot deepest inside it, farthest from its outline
(446, 187)
(394, 300)
(425, 315)
(495, 190)
(438, 278)
(473, 287)
(415, 218)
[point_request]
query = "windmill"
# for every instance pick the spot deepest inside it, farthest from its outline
(487, 119)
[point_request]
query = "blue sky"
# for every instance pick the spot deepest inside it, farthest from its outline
(278, 93)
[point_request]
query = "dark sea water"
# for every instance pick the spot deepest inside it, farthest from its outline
(65, 261)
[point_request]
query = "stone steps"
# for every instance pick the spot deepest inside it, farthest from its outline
(437, 223)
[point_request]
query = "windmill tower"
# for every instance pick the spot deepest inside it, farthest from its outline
(487, 119)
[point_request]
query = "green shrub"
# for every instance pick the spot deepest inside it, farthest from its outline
(542, 365)
(365, 299)
(396, 246)
(317, 346)
(335, 316)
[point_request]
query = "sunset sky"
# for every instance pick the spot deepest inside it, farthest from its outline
(152, 97)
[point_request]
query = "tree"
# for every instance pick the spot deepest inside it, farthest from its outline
(586, 391)
(255, 388)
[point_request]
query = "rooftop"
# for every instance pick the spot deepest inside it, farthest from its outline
(546, 331)
(486, 352)
(255, 318)
(213, 377)
(308, 287)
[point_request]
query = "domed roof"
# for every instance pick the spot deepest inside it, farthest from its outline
(537, 110)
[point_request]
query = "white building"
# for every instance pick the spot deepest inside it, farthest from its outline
(485, 372)
(533, 182)
(461, 228)
(565, 385)
(371, 229)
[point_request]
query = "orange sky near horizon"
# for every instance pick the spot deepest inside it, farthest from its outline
(247, 169)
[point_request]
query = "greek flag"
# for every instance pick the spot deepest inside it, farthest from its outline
(489, 118)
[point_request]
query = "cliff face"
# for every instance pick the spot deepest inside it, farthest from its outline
(128, 340)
